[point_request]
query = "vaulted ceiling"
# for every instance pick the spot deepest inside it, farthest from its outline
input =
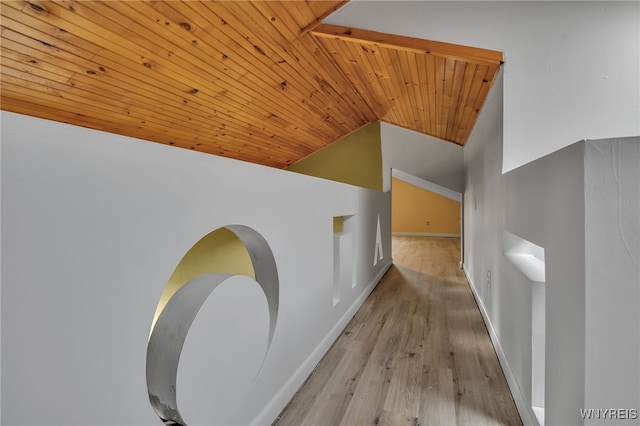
(259, 81)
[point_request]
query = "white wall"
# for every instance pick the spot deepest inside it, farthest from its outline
(592, 277)
(572, 69)
(93, 225)
(612, 216)
(544, 202)
(425, 157)
(505, 301)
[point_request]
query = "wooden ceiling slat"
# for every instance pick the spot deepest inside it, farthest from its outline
(255, 83)
(260, 21)
(409, 82)
(301, 50)
(231, 23)
(456, 94)
(407, 61)
(292, 59)
(305, 58)
(449, 76)
(30, 92)
(380, 71)
(196, 62)
(474, 93)
(29, 65)
(362, 77)
(361, 85)
(487, 82)
(391, 63)
(23, 24)
(39, 88)
(439, 64)
(136, 62)
(223, 94)
(286, 25)
(430, 64)
(372, 89)
(385, 71)
(111, 84)
(321, 13)
(335, 84)
(462, 100)
(53, 109)
(419, 77)
(424, 88)
(40, 108)
(371, 64)
(411, 65)
(172, 14)
(72, 80)
(302, 13)
(162, 126)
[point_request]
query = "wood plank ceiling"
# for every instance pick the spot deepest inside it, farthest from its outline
(258, 81)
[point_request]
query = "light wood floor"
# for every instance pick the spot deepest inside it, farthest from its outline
(417, 353)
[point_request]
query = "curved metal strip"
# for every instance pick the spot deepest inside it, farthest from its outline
(170, 330)
(266, 273)
(167, 340)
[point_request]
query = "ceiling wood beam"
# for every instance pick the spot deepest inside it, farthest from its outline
(410, 44)
(313, 25)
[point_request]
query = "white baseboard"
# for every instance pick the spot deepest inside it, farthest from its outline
(524, 409)
(288, 390)
(424, 234)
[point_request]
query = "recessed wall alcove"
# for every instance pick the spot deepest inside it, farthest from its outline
(575, 211)
(343, 270)
(529, 259)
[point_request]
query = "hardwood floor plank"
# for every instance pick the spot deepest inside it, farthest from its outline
(417, 353)
(329, 407)
(297, 414)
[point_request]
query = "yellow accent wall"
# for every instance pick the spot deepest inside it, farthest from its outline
(220, 251)
(355, 159)
(412, 207)
(338, 224)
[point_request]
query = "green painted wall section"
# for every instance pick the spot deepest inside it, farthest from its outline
(355, 159)
(220, 251)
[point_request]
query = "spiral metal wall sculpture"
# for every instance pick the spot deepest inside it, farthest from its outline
(172, 326)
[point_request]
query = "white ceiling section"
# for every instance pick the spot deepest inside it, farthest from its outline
(572, 69)
(423, 156)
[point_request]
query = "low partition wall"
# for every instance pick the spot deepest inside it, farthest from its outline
(94, 227)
